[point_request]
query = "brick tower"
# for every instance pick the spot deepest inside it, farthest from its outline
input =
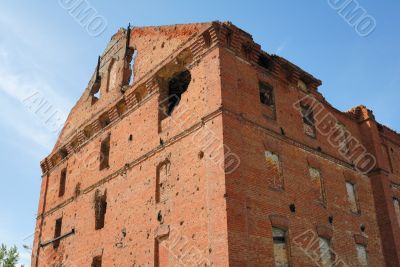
(193, 147)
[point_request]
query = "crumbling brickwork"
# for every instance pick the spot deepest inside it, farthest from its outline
(193, 147)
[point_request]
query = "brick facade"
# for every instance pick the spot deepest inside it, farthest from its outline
(244, 163)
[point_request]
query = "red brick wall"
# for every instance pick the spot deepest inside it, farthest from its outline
(193, 224)
(214, 216)
(252, 196)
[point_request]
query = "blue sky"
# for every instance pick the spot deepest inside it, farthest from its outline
(44, 50)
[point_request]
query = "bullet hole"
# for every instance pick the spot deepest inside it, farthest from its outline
(391, 149)
(330, 219)
(292, 208)
(161, 142)
(181, 222)
(210, 250)
(282, 131)
(123, 231)
(130, 137)
(362, 228)
(162, 45)
(201, 154)
(159, 216)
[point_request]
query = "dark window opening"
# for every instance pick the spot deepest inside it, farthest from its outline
(104, 120)
(57, 232)
(63, 178)
(308, 115)
(96, 262)
(121, 107)
(100, 209)
(264, 61)
(207, 39)
(177, 85)
(266, 94)
(105, 153)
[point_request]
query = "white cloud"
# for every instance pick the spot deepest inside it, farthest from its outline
(281, 47)
(17, 83)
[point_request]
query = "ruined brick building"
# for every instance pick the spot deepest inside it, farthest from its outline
(193, 147)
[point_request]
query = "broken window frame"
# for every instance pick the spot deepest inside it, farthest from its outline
(322, 193)
(267, 96)
(105, 153)
(307, 114)
(325, 248)
(352, 199)
(308, 120)
(279, 237)
(280, 184)
(63, 180)
(57, 232)
(364, 260)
